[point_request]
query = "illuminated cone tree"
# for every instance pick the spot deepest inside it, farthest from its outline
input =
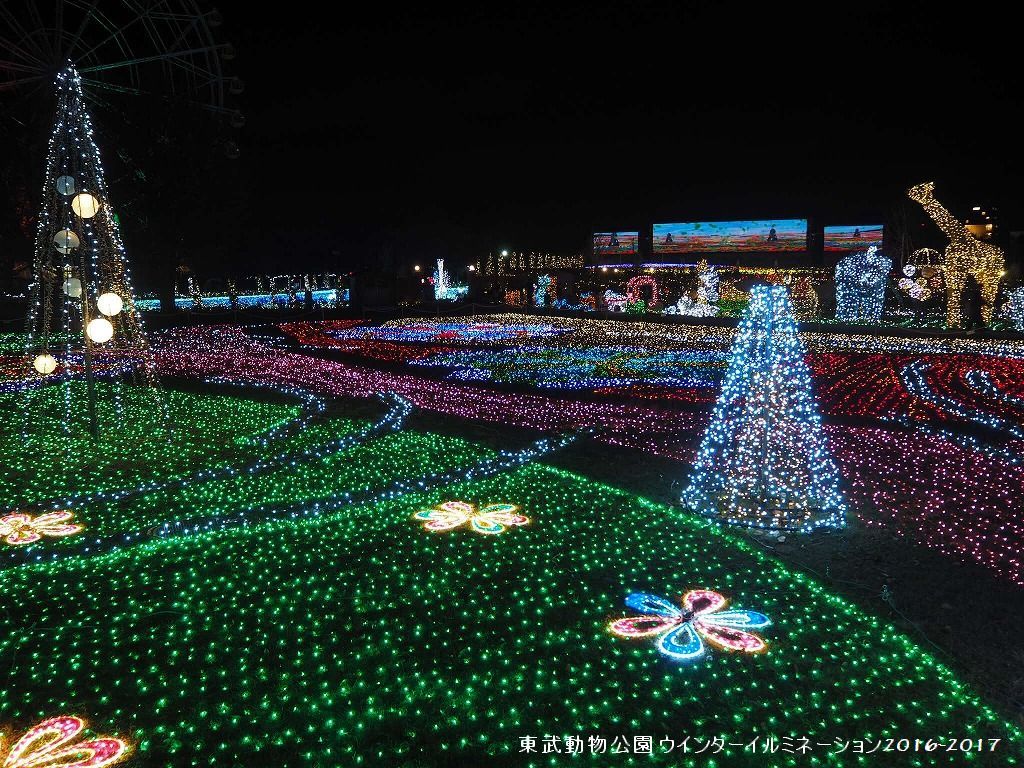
(764, 460)
(82, 320)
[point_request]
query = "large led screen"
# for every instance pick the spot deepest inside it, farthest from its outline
(731, 236)
(616, 243)
(853, 238)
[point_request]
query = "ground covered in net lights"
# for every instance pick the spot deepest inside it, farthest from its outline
(40, 460)
(286, 628)
(926, 432)
(236, 575)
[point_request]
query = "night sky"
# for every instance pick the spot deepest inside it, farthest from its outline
(428, 132)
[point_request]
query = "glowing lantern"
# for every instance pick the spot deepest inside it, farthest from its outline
(66, 185)
(99, 330)
(109, 304)
(45, 364)
(66, 241)
(73, 287)
(85, 205)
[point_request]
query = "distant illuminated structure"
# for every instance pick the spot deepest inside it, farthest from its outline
(544, 291)
(444, 288)
(707, 283)
(964, 257)
(440, 281)
(1013, 310)
(982, 222)
(634, 295)
(860, 285)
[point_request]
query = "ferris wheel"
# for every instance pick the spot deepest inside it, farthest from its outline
(164, 48)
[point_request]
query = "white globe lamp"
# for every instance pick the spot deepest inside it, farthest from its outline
(66, 241)
(85, 205)
(109, 304)
(99, 330)
(73, 287)
(45, 364)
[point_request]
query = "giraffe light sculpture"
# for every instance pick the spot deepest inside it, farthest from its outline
(964, 257)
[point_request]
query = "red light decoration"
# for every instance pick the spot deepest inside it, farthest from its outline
(634, 285)
(50, 744)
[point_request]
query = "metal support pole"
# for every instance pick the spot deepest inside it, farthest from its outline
(90, 379)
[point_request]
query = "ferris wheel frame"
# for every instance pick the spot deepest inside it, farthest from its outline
(166, 48)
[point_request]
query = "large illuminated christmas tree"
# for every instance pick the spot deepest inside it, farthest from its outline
(764, 460)
(82, 320)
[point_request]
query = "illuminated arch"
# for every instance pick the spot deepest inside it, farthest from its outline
(633, 289)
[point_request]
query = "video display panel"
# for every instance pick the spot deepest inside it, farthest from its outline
(731, 236)
(853, 238)
(616, 243)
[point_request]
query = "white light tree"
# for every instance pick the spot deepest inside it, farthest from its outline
(764, 460)
(82, 319)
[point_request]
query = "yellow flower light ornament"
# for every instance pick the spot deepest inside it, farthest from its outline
(22, 528)
(492, 519)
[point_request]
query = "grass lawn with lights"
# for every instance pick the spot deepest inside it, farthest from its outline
(42, 461)
(359, 636)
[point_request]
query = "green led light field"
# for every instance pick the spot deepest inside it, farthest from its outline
(216, 421)
(376, 464)
(51, 463)
(361, 638)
